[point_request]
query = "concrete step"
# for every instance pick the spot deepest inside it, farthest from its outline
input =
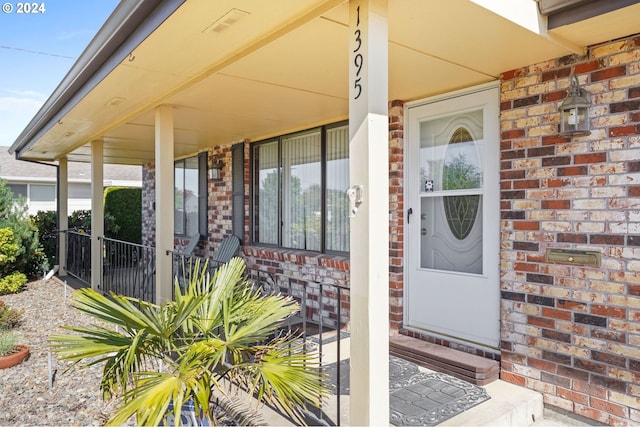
(510, 405)
(469, 367)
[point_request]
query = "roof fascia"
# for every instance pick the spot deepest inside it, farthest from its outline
(566, 12)
(128, 25)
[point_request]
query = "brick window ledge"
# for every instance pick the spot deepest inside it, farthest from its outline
(334, 262)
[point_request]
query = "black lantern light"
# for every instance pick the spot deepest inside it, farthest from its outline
(574, 111)
(215, 172)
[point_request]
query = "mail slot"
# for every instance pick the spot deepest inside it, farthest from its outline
(573, 257)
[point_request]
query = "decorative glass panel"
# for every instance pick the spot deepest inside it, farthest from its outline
(451, 171)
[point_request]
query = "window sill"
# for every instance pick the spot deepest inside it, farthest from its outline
(336, 262)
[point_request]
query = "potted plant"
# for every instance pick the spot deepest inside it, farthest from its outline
(219, 333)
(11, 353)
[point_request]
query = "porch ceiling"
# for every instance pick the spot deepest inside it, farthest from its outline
(279, 69)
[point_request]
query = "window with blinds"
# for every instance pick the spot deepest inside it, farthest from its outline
(299, 184)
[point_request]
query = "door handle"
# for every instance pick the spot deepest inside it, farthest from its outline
(409, 213)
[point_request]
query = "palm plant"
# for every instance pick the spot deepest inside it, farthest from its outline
(217, 335)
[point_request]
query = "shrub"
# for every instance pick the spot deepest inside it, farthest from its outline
(81, 220)
(29, 258)
(8, 250)
(8, 342)
(124, 205)
(9, 317)
(12, 283)
(47, 222)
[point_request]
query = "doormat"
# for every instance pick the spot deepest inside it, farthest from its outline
(426, 399)
(419, 398)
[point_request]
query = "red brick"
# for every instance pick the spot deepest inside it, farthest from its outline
(514, 133)
(585, 387)
(543, 365)
(526, 225)
(554, 96)
(556, 204)
(513, 378)
(592, 413)
(526, 183)
(524, 266)
(580, 159)
(587, 67)
(573, 396)
(512, 74)
(624, 130)
(609, 407)
(573, 171)
(556, 314)
(556, 74)
(608, 73)
(602, 310)
(554, 139)
(539, 321)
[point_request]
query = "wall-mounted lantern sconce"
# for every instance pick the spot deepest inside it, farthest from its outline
(574, 111)
(215, 172)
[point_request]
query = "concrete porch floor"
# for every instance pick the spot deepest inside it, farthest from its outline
(510, 405)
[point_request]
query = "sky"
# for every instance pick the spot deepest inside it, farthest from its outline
(36, 52)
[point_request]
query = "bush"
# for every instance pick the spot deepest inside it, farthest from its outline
(47, 222)
(29, 258)
(124, 206)
(8, 342)
(8, 250)
(81, 220)
(9, 317)
(12, 283)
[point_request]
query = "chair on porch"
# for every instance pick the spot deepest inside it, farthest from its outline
(229, 247)
(183, 258)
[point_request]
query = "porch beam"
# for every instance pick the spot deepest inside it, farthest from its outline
(97, 211)
(63, 214)
(369, 226)
(164, 154)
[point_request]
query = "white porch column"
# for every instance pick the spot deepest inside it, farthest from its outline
(164, 202)
(369, 251)
(97, 211)
(63, 214)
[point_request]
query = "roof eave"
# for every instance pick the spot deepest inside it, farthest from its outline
(127, 26)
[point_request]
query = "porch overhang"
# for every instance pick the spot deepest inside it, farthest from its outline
(246, 69)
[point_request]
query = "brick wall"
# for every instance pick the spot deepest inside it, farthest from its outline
(148, 204)
(396, 207)
(573, 332)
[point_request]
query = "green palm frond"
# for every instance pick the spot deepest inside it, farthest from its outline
(218, 332)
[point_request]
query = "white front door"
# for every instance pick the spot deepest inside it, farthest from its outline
(453, 217)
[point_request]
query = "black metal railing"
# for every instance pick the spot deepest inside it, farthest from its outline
(128, 269)
(79, 255)
(322, 323)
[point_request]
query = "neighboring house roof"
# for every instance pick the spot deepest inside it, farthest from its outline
(12, 169)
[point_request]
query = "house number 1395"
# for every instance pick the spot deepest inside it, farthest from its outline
(358, 59)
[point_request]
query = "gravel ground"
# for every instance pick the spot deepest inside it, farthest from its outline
(25, 396)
